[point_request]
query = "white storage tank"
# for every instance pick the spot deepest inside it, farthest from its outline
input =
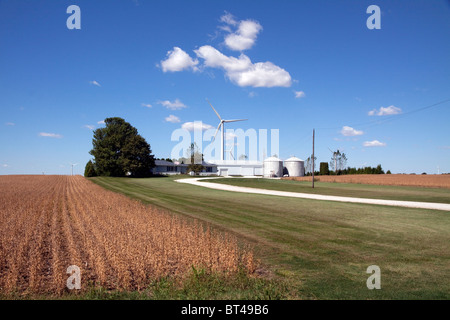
(295, 167)
(273, 167)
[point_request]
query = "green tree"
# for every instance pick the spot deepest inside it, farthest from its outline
(379, 170)
(89, 170)
(119, 150)
(324, 171)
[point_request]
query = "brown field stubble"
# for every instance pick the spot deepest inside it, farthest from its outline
(48, 223)
(430, 181)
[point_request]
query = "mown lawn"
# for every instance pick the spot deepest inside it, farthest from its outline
(319, 249)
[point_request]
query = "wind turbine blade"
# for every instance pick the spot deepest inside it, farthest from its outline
(214, 110)
(235, 120)
(214, 138)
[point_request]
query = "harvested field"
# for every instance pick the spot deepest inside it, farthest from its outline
(48, 223)
(430, 181)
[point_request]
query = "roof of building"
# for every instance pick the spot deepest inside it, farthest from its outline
(293, 159)
(272, 159)
(164, 163)
(171, 164)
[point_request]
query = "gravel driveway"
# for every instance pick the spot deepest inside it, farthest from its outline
(409, 204)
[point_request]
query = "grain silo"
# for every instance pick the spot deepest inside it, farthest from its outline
(273, 167)
(295, 167)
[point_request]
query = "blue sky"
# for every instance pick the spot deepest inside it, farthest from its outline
(287, 65)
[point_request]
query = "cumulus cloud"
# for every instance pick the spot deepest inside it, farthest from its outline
(241, 35)
(374, 143)
(101, 122)
(146, 105)
(391, 110)
(173, 105)
(178, 60)
(50, 135)
(89, 126)
(350, 132)
(95, 83)
(242, 71)
(172, 118)
(299, 94)
(197, 125)
(244, 37)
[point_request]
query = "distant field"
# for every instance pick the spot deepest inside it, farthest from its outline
(49, 223)
(318, 249)
(431, 181)
(402, 193)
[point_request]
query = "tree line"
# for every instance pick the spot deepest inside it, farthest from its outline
(338, 166)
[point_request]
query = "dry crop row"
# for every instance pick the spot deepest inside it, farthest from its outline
(49, 223)
(430, 181)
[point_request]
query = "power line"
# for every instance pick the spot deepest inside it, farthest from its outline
(390, 118)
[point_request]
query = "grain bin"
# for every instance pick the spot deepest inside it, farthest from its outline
(295, 167)
(273, 167)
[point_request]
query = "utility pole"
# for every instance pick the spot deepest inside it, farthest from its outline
(313, 162)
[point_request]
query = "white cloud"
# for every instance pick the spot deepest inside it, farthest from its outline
(178, 60)
(299, 94)
(374, 143)
(350, 132)
(50, 135)
(252, 94)
(191, 126)
(228, 18)
(101, 122)
(4, 165)
(173, 105)
(10, 124)
(242, 71)
(146, 105)
(244, 37)
(391, 110)
(89, 126)
(172, 118)
(95, 83)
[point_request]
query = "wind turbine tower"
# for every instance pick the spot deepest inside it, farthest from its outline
(222, 124)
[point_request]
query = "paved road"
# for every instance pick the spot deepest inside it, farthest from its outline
(410, 204)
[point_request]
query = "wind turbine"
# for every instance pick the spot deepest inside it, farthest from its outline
(231, 152)
(73, 164)
(222, 124)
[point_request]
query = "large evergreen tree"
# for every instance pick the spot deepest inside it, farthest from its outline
(89, 170)
(119, 150)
